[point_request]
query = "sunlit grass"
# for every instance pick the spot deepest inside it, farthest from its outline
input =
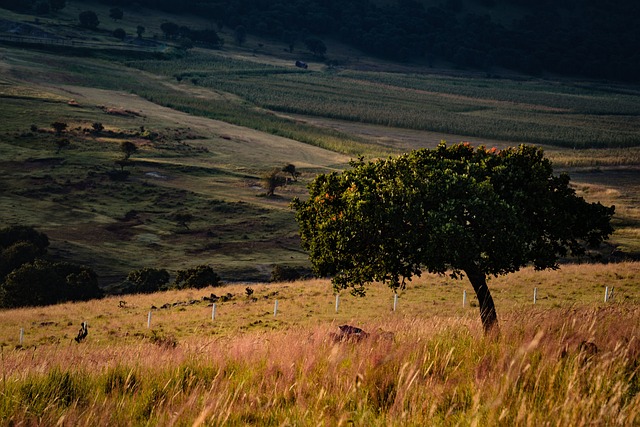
(425, 364)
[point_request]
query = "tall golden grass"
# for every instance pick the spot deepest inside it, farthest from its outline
(427, 363)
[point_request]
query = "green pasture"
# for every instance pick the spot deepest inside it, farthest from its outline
(209, 124)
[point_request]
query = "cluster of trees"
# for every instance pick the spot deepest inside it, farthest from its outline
(571, 37)
(28, 279)
(209, 37)
(149, 280)
(453, 209)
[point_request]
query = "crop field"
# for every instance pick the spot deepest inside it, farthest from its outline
(425, 363)
(567, 114)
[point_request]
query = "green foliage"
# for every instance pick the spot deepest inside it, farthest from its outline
(20, 245)
(21, 233)
(283, 273)
(198, 277)
(128, 148)
(454, 208)
(42, 283)
(148, 280)
(59, 388)
(59, 127)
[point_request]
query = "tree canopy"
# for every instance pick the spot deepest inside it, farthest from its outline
(454, 209)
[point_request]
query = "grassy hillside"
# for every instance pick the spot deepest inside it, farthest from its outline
(209, 124)
(424, 364)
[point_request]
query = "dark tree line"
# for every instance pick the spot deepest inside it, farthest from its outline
(27, 278)
(571, 37)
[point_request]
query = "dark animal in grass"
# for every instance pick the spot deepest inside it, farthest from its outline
(82, 333)
(349, 333)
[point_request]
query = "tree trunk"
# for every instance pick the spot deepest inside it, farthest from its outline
(487, 308)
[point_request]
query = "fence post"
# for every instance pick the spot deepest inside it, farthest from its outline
(337, 302)
(275, 308)
(395, 301)
(535, 295)
(464, 298)
(606, 293)
(149, 320)
(21, 335)
(213, 312)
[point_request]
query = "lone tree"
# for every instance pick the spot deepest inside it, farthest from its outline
(59, 127)
(128, 148)
(455, 209)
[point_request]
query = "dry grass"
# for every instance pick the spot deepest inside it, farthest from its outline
(425, 364)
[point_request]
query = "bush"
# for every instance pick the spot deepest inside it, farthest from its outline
(148, 280)
(42, 283)
(22, 233)
(283, 273)
(198, 277)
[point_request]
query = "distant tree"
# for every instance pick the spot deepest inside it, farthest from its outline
(148, 280)
(169, 29)
(57, 5)
(119, 33)
(283, 273)
(291, 169)
(140, 31)
(59, 127)
(62, 143)
(183, 219)
(198, 277)
(97, 127)
(272, 180)
(116, 13)
(89, 19)
(451, 210)
(316, 46)
(128, 148)
(15, 255)
(240, 35)
(22, 233)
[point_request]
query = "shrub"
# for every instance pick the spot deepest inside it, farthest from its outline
(42, 283)
(197, 277)
(283, 273)
(148, 280)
